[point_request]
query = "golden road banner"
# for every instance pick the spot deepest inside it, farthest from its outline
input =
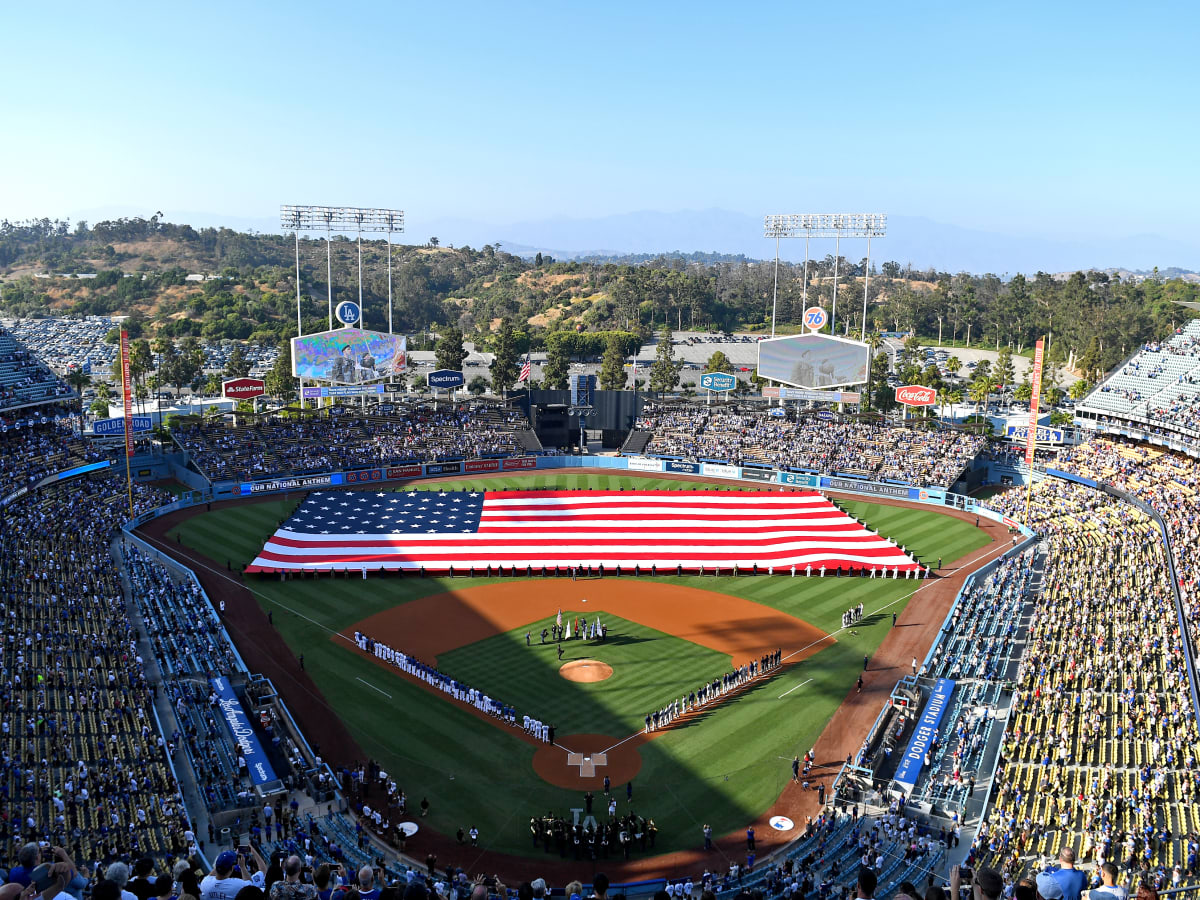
(1034, 402)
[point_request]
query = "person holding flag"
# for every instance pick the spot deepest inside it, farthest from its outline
(558, 625)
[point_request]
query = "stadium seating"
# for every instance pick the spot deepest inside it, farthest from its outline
(24, 379)
(753, 437)
(416, 433)
(1160, 383)
(1101, 742)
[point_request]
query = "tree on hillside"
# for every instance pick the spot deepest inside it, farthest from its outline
(718, 362)
(280, 382)
(556, 372)
(450, 352)
(237, 366)
(612, 367)
(664, 372)
(1005, 373)
(953, 365)
(478, 385)
(504, 367)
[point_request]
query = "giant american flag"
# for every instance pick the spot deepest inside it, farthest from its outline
(465, 529)
(437, 530)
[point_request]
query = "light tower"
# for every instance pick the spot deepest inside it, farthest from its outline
(825, 225)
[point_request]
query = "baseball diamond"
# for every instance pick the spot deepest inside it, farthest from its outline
(667, 636)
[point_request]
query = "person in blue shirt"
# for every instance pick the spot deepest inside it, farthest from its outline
(1071, 879)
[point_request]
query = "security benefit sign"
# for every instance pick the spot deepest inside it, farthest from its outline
(242, 732)
(924, 734)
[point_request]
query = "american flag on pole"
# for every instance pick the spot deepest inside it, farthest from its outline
(437, 530)
(524, 370)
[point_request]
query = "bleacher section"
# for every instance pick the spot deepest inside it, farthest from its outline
(1100, 749)
(750, 436)
(24, 380)
(417, 433)
(1159, 385)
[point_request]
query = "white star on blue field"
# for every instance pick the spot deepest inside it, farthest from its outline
(414, 512)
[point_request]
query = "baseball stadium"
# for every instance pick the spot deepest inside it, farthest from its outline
(762, 644)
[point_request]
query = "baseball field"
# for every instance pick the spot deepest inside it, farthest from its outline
(667, 635)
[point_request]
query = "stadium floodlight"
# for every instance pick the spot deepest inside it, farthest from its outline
(342, 219)
(825, 225)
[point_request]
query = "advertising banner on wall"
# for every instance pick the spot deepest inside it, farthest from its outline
(289, 484)
(413, 471)
(242, 732)
(643, 464)
(721, 470)
(774, 392)
(798, 479)
(865, 487)
(758, 474)
(923, 735)
(482, 465)
(443, 468)
(520, 462)
(687, 468)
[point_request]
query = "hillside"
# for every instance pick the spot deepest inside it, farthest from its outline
(178, 281)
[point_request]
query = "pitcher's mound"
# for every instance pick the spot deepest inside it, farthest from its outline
(585, 670)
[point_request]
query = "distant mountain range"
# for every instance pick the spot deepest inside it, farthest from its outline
(911, 239)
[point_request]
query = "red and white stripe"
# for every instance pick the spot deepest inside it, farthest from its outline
(666, 529)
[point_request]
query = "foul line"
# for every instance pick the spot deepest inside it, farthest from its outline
(789, 690)
(368, 684)
(1004, 546)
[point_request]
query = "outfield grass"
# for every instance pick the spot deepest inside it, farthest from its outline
(723, 769)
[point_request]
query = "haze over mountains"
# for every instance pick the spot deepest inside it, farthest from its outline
(911, 239)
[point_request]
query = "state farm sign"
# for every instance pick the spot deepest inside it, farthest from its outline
(243, 388)
(915, 395)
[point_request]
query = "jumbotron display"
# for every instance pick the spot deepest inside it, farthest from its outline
(814, 360)
(348, 356)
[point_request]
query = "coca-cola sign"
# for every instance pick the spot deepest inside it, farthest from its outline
(244, 388)
(915, 395)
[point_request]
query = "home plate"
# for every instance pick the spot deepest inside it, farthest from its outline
(587, 764)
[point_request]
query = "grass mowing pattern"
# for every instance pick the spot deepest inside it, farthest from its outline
(649, 668)
(723, 769)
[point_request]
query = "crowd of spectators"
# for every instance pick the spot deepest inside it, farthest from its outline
(811, 443)
(83, 765)
(1166, 480)
(1100, 751)
(417, 433)
(1161, 382)
(24, 379)
(38, 444)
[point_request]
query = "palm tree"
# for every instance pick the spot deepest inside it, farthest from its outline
(980, 389)
(951, 398)
(78, 380)
(953, 364)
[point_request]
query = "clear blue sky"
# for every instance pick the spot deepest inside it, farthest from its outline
(1051, 117)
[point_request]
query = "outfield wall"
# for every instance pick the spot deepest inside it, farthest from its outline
(639, 465)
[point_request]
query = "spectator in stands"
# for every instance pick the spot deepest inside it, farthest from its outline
(1072, 880)
(292, 888)
(367, 889)
(225, 880)
(867, 882)
(141, 885)
(1109, 889)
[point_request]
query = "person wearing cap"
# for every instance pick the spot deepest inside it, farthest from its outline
(221, 883)
(1049, 887)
